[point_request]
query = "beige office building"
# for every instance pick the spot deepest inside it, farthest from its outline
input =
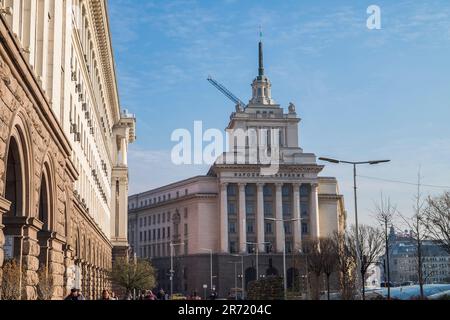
(237, 208)
(63, 145)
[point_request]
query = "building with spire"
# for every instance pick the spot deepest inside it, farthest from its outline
(245, 205)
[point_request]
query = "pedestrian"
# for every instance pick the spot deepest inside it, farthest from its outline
(113, 296)
(80, 295)
(213, 295)
(105, 295)
(73, 295)
(150, 295)
(161, 294)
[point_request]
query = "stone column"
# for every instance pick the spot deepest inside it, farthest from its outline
(260, 237)
(279, 225)
(25, 230)
(224, 218)
(297, 215)
(314, 214)
(242, 219)
(69, 270)
(56, 266)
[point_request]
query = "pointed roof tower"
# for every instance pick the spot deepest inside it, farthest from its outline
(261, 85)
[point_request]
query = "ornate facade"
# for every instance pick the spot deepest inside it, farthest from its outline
(63, 145)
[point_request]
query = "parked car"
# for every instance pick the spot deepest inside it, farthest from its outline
(178, 296)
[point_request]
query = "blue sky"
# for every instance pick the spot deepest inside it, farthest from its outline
(361, 94)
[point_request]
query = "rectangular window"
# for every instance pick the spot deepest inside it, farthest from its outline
(186, 229)
(250, 190)
(232, 227)
(164, 233)
(268, 209)
(288, 227)
(305, 208)
(159, 234)
(268, 191)
(231, 208)
(250, 208)
(304, 228)
(164, 218)
(231, 190)
(288, 247)
(286, 209)
(168, 232)
(269, 228)
(154, 234)
(140, 236)
(250, 227)
(233, 247)
(159, 218)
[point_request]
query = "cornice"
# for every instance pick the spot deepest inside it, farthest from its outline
(101, 25)
(200, 195)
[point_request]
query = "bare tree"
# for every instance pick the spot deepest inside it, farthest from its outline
(437, 217)
(315, 265)
(346, 265)
(384, 214)
(45, 287)
(10, 284)
(370, 249)
(419, 233)
(329, 260)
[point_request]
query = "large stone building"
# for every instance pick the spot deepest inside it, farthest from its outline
(63, 144)
(239, 207)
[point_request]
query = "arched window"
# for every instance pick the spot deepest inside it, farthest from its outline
(14, 179)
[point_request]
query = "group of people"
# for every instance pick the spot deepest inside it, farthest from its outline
(76, 295)
(109, 296)
(149, 295)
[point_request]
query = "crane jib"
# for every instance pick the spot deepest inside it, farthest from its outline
(226, 92)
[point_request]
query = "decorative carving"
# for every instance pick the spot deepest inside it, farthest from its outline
(292, 108)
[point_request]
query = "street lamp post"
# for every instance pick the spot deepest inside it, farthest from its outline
(307, 272)
(354, 164)
(210, 266)
(172, 245)
(242, 271)
(235, 278)
(284, 249)
(257, 255)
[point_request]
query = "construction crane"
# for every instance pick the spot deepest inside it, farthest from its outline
(227, 92)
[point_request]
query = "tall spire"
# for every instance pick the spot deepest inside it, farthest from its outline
(261, 54)
(261, 60)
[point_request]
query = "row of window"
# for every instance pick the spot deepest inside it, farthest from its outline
(268, 229)
(155, 234)
(268, 247)
(161, 250)
(154, 219)
(155, 200)
(268, 190)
